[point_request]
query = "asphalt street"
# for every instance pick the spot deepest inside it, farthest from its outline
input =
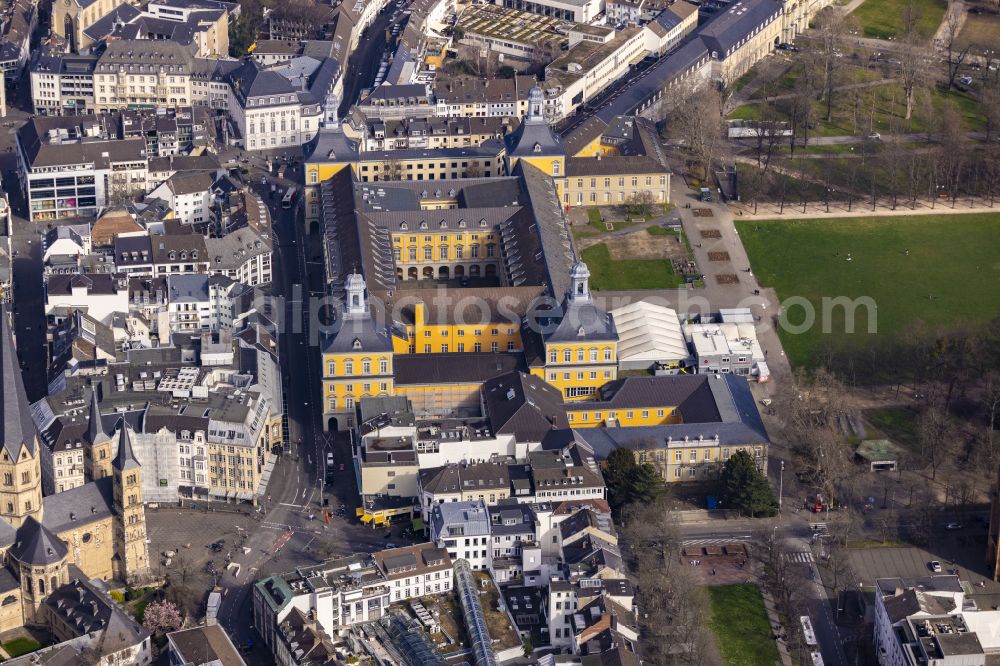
(291, 530)
(363, 64)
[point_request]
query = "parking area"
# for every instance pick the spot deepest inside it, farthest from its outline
(962, 559)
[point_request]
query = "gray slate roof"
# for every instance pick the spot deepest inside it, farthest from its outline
(739, 423)
(16, 427)
(126, 456)
(523, 405)
(36, 545)
(251, 81)
(78, 506)
(95, 428)
(472, 516)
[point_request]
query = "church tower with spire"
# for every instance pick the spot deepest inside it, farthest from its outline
(131, 552)
(20, 458)
(99, 444)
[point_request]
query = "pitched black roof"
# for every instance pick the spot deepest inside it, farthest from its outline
(126, 456)
(36, 545)
(16, 426)
(95, 428)
(523, 405)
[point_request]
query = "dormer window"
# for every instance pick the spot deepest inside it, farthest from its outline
(404, 226)
(356, 344)
(423, 224)
(537, 148)
(461, 224)
(444, 225)
(482, 222)
(581, 332)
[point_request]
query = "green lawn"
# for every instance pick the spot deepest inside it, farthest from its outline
(882, 19)
(949, 277)
(607, 274)
(19, 646)
(661, 231)
(897, 423)
(741, 627)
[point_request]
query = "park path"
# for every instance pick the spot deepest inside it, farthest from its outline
(852, 5)
(814, 210)
(849, 86)
(956, 9)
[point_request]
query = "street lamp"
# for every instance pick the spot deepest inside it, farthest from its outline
(781, 483)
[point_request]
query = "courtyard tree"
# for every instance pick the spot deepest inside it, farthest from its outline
(640, 204)
(629, 481)
(744, 487)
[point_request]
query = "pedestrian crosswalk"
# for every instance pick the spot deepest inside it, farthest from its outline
(804, 558)
(716, 541)
(819, 528)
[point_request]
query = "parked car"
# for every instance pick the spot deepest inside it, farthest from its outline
(953, 526)
(874, 136)
(934, 566)
(329, 459)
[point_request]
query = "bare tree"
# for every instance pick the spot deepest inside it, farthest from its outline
(956, 54)
(935, 436)
(674, 606)
(989, 102)
(915, 65)
(699, 123)
(392, 169)
(952, 149)
(833, 26)
(801, 109)
(767, 136)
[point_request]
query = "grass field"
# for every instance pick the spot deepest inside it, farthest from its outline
(980, 31)
(608, 274)
(897, 423)
(740, 624)
(882, 19)
(941, 270)
(19, 646)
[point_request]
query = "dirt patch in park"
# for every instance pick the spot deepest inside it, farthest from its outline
(718, 256)
(710, 233)
(638, 245)
(703, 212)
(727, 278)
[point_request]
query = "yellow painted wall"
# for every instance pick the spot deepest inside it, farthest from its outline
(595, 147)
(579, 372)
(471, 244)
(316, 173)
(614, 190)
(344, 377)
(591, 416)
(423, 338)
(554, 166)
